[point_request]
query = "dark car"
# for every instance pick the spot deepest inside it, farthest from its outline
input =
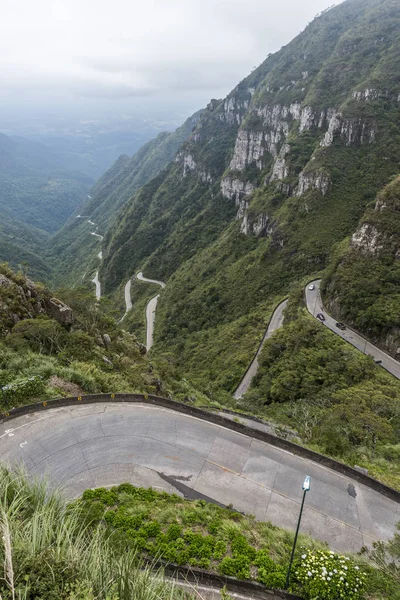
(341, 326)
(321, 317)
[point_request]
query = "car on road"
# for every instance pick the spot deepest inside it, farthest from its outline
(311, 287)
(341, 326)
(321, 317)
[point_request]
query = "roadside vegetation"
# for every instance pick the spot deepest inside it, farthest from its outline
(41, 358)
(158, 525)
(46, 553)
(337, 399)
(363, 281)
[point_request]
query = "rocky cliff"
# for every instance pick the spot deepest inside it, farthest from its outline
(270, 180)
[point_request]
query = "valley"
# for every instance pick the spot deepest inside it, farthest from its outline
(214, 317)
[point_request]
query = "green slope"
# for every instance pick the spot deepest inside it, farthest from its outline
(34, 186)
(271, 179)
(72, 249)
(362, 286)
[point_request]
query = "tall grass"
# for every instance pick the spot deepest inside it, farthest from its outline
(47, 553)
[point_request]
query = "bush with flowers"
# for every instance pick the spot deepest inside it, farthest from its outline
(325, 575)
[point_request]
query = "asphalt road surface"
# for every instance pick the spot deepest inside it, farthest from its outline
(274, 324)
(96, 281)
(128, 299)
(150, 310)
(315, 306)
(95, 445)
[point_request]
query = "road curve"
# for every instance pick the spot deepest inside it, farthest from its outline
(275, 323)
(315, 306)
(128, 299)
(96, 281)
(141, 277)
(101, 444)
(150, 309)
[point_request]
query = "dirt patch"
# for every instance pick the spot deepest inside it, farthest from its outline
(70, 389)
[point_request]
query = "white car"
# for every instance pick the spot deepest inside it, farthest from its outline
(311, 287)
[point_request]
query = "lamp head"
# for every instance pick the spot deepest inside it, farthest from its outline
(307, 483)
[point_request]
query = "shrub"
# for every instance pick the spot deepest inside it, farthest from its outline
(19, 391)
(236, 567)
(329, 576)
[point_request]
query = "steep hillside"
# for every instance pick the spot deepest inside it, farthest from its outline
(69, 346)
(73, 247)
(35, 188)
(363, 286)
(270, 180)
(22, 247)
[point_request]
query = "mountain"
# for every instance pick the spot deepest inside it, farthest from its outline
(35, 187)
(363, 286)
(272, 178)
(22, 247)
(72, 246)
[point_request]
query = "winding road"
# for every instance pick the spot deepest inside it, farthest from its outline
(104, 444)
(315, 306)
(96, 281)
(150, 309)
(275, 323)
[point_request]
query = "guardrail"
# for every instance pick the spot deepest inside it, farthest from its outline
(217, 419)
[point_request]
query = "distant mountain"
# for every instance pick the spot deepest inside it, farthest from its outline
(35, 189)
(272, 178)
(22, 247)
(73, 248)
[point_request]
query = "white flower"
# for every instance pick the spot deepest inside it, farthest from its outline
(328, 578)
(304, 556)
(341, 579)
(357, 568)
(309, 574)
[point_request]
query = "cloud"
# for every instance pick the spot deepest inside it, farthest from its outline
(123, 48)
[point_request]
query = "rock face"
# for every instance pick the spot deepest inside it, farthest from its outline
(60, 312)
(21, 299)
(367, 239)
(266, 142)
(316, 180)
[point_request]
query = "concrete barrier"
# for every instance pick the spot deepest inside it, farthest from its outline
(217, 419)
(195, 576)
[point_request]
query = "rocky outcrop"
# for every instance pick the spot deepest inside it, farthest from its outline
(259, 225)
(350, 131)
(59, 311)
(21, 299)
(313, 180)
(234, 109)
(367, 239)
(234, 189)
(188, 164)
(280, 169)
(366, 95)
(249, 148)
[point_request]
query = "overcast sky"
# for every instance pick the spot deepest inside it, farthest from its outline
(116, 52)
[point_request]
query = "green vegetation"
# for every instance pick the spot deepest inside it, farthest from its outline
(362, 284)
(35, 189)
(222, 283)
(338, 400)
(41, 358)
(328, 576)
(194, 533)
(73, 250)
(46, 553)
